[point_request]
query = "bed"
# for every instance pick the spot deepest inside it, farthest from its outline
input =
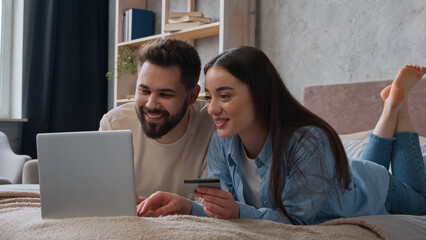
(350, 108)
(356, 107)
(353, 109)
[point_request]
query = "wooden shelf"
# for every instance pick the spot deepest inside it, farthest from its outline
(138, 42)
(207, 30)
(235, 27)
(125, 100)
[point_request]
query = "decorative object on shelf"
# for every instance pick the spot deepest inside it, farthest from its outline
(183, 20)
(126, 62)
(170, 27)
(138, 23)
(181, 14)
(189, 19)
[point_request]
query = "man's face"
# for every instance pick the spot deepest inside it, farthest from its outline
(161, 99)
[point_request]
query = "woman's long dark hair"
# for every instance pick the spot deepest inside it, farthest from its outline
(280, 111)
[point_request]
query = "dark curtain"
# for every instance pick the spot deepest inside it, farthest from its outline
(65, 88)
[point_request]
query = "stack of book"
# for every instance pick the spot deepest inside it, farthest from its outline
(183, 20)
(137, 23)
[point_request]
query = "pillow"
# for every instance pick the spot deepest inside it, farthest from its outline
(356, 136)
(365, 135)
(355, 148)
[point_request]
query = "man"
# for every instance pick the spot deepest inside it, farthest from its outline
(171, 128)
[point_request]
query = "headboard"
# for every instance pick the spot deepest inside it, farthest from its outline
(355, 107)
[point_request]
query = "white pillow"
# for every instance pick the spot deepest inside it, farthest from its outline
(355, 148)
(365, 135)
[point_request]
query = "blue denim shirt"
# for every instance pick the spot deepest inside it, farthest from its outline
(312, 193)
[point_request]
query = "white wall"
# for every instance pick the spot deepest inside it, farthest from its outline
(314, 42)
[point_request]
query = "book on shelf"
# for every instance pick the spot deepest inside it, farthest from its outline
(189, 19)
(137, 23)
(170, 27)
(181, 14)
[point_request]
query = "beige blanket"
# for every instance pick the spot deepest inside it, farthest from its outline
(20, 218)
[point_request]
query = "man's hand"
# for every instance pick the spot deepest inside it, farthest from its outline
(163, 203)
(218, 203)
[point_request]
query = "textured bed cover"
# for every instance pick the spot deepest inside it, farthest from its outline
(20, 219)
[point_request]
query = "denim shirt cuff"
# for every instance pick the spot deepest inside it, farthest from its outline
(198, 210)
(245, 211)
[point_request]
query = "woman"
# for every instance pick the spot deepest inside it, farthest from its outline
(278, 161)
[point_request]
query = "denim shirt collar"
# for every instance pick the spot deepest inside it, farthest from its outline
(265, 154)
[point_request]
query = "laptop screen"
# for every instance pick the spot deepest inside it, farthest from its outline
(86, 174)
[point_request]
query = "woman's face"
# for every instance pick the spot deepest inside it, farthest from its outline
(229, 103)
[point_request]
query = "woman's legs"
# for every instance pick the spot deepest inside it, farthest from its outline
(395, 116)
(378, 150)
(402, 199)
(407, 161)
(407, 186)
(394, 141)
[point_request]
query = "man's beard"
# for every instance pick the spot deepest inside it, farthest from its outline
(157, 130)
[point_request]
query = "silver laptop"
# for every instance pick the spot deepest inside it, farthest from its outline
(86, 174)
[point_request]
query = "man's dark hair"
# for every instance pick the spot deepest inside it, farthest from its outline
(173, 52)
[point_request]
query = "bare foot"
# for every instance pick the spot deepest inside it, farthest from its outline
(407, 77)
(385, 92)
(395, 115)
